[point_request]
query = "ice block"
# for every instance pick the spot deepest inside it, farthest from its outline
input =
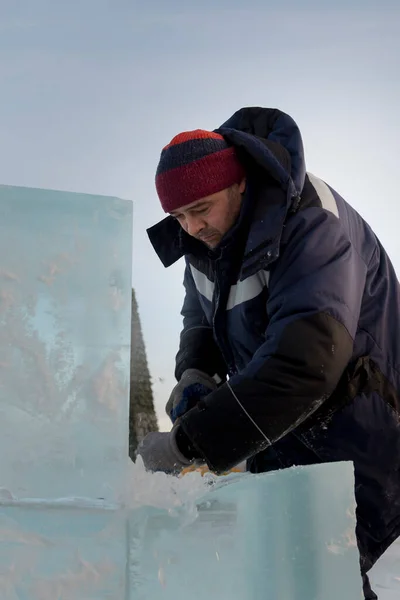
(288, 534)
(65, 309)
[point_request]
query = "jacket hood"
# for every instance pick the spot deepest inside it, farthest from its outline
(272, 139)
(266, 137)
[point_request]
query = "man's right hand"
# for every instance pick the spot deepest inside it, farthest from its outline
(192, 386)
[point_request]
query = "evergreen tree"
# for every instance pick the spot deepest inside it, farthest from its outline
(142, 417)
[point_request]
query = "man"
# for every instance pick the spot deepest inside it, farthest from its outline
(291, 296)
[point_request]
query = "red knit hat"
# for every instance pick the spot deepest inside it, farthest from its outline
(195, 164)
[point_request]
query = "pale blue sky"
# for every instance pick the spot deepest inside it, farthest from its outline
(91, 91)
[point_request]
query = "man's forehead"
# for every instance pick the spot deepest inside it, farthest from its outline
(190, 206)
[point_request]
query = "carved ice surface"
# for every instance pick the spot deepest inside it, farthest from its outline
(79, 521)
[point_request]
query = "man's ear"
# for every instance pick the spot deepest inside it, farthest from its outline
(242, 186)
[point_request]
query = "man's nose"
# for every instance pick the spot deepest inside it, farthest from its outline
(194, 225)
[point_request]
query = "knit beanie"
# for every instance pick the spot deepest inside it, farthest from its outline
(195, 164)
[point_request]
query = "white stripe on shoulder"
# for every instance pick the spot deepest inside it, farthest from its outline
(324, 193)
(247, 289)
(203, 284)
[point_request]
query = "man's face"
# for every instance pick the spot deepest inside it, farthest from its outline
(210, 218)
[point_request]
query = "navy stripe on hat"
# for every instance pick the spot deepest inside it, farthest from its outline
(182, 154)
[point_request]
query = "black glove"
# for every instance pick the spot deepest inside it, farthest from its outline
(160, 452)
(192, 386)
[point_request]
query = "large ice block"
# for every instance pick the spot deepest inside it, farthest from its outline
(289, 535)
(286, 535)
(65, 307)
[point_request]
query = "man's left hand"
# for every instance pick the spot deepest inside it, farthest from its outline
(160, 452)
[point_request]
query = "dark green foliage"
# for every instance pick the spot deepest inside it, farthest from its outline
(142, 417)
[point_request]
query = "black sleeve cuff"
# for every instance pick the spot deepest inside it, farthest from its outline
(185, 446)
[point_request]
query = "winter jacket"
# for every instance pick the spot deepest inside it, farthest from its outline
(300, 307)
